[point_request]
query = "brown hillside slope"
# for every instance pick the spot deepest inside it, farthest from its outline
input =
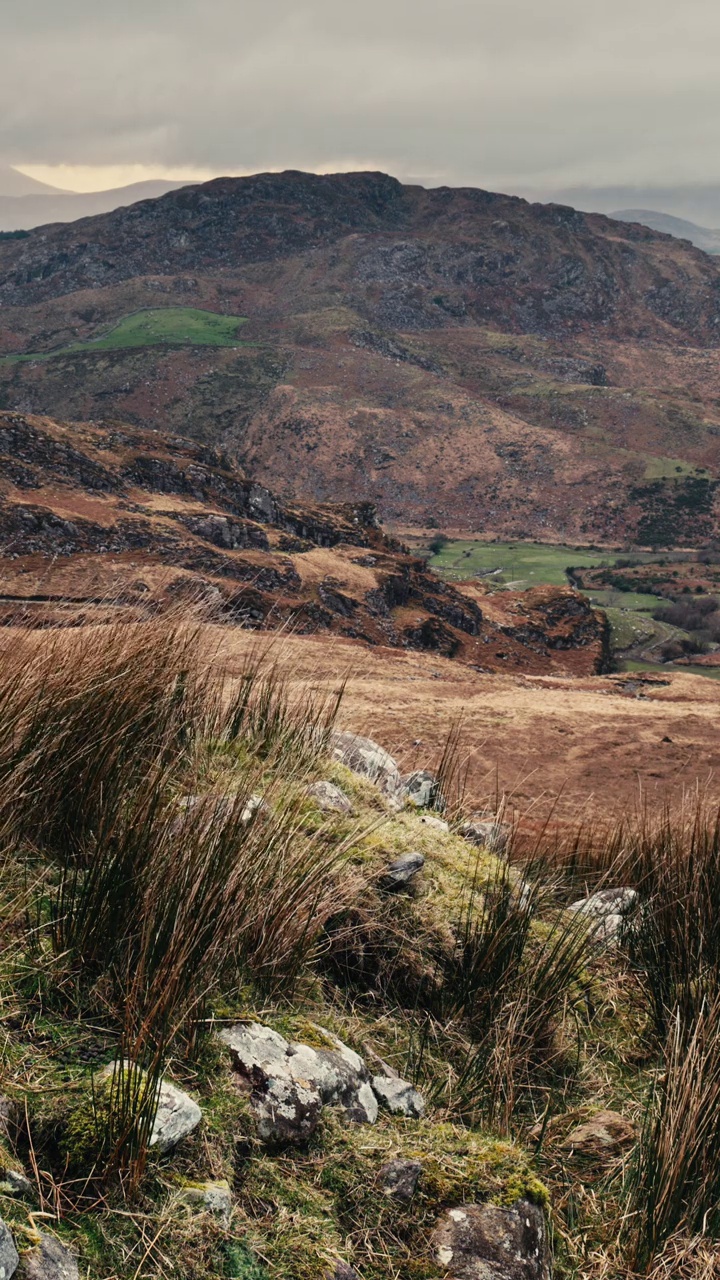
(106, 521)
(451, 355)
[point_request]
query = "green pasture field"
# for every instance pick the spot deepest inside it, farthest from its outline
(525, 563)
(159, 326)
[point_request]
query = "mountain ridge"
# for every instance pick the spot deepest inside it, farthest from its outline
(459, 357)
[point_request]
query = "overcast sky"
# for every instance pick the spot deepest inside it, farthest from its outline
(499, 93)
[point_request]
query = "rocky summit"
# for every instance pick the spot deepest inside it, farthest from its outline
(456, 357)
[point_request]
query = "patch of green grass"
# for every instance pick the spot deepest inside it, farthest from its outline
(159, 326)
(671, 469)
(529, 563)
(636, 601)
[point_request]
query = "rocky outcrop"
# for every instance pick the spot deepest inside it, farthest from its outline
(370, 761)
(290, 1083)
(485, 1242)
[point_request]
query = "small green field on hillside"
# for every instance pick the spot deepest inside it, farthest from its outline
(524, 563)
(159, 326)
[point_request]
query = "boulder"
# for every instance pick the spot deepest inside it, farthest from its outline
(398, 1096)
(342, 1271)
(487, 833)
(209, 1197)
(50, 1260)
(399, 1179)
(602, 1137)
(8, 1253)
(403, 870)
(292, 1082)
(485, 1242)
(329, 798)
(176, 1117)
(606, 912)
(423, 790)
(370, 761)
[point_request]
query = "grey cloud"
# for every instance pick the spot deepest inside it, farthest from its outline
(496, 92)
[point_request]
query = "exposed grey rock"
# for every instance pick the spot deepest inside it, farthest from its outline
(606, 912)
(50, 1260)
(398, 1096)
(176, 1117)
(292, 1082)
(399, 1178)
(209, 1197)
(8, 1253)
(487, 833)
(15, 1183)
(371, 761)
(329, 798)
(485, 1242)
(403, 870)
(438, 824)
(423, 789)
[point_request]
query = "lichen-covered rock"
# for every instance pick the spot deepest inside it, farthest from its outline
(176, 1117)
(50, 1260)
(329, 798)
(601, 1137)
(8, 1253)
(291, 1082)
(14, 1182)
(398, 1096)
(403, 870)
(487, 833)
(209, 1197)
(422, 789)
(485, 1242)
(371, 761)
(606, 913)
(399, 1179)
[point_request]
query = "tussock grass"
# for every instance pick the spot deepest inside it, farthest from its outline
(158, 901)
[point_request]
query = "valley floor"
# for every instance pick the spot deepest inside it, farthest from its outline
(580, 747)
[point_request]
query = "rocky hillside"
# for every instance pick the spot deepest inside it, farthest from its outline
(109, 521)
(391, 334)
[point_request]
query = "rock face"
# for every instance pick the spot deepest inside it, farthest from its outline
(403, 870)
(601, 1137)
(370, 761)
(49, 1261)
(329, 798)
(607, 912)
(487, 833)
(292, 1082)
(399, 1179)
(8, 1253)
(484, 1242)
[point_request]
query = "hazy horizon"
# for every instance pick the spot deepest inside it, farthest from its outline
(505, 94)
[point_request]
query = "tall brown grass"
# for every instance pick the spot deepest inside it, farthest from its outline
(101, 735)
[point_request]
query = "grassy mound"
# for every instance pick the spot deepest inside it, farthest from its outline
(159, 326)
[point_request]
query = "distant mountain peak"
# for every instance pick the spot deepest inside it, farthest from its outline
(15, 183)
